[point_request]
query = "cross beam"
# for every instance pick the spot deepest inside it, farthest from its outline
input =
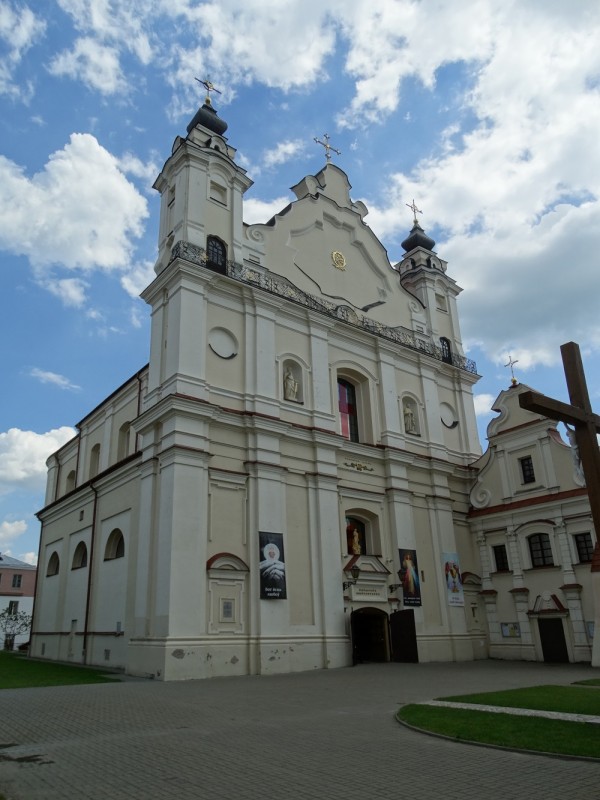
(580, 415)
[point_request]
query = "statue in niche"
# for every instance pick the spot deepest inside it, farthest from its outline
(355, 545)
(290, 385)
(409, 419)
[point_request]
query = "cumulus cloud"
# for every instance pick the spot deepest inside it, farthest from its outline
(96, 64)
(80, 212)
(23, 456)
(29, 558)
(9, 531)
(20, 29)
(44, 376)
(137, 277)
(257, 211)
(483, 404)
(283, 151)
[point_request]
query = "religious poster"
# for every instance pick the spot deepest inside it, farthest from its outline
(272, 566)
(453, 579)
(409, 577)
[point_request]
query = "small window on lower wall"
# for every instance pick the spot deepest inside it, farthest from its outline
(540, 550)
(585, 547)
(501, 558)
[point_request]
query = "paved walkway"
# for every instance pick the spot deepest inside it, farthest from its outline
(326, 734)
(518, 712)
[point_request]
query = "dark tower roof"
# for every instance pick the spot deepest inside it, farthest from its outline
(418, 238)
(208, 118)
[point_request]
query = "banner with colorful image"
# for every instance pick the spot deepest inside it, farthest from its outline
(272, 566)
(409, 577)
(453, 579)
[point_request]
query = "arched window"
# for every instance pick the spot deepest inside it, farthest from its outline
(446, 350)
(540, 550)
(216, 255)
(123, 443)
(95, 461)
(348, 410)
(80, 556)
(115, 546)
(70, 485)
(53, 564)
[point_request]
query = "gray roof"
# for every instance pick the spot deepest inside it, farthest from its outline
(13, 563)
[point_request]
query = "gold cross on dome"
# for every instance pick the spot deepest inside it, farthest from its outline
(327, 147)
(414, 209)
(210, 87)
(511, 364)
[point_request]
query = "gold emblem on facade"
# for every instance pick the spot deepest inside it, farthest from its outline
(338, 259)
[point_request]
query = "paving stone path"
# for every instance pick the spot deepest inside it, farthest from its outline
(326, 734)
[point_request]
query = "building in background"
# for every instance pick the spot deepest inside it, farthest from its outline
(306, 412)
(532, 521)
(17, 588)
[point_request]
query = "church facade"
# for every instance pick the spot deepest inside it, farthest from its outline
(285, 486)
(531, 518)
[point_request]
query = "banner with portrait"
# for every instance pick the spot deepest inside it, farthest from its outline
(453, 579)
(409, 577)
(272, 566)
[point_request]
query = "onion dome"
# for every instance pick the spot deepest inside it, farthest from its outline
(418, 238)
(207, 117)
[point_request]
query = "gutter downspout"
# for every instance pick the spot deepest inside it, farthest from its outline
(89, 585)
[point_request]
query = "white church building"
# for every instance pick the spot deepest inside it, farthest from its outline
(286, 485)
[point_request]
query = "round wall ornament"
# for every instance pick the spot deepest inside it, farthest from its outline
(338, 259)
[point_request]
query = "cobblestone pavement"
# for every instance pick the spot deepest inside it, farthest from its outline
(326, 734)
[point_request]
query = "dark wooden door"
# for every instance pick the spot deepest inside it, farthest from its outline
(403, 636)
(552, 637)
(370, 641)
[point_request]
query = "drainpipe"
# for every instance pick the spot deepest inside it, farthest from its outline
(89, 584)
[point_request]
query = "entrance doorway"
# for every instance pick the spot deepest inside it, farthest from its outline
(370, 635)
(403, 636)
(552, 638)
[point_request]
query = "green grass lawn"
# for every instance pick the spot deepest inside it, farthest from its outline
(20, 672)
(525, 733)
(569, 699)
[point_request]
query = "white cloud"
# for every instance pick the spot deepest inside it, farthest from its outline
(78, 212)
(262, 210)
(29, 558)
(132, 165)
(71, 291)
(20, 29)
(9, 531)
(137, 277)
(44, 376)
(23, 456)
(284, 151)
(483, 404)
(96, 64)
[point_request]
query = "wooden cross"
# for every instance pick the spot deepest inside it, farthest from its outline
(415, 210)
(327, 147)
(210, 87)
(580, 415)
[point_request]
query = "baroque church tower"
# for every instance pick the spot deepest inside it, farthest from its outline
(285, 485)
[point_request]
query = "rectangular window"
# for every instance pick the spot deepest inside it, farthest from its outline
(16, 581)
(540, 550)
(527, 472)
(13, 608)
(585, 547)
(501, 558)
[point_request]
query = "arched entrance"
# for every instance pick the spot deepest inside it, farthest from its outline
(370, 635)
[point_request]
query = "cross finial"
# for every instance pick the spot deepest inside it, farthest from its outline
(415, 210)
(210, 87)
(511, 364)
(327, 147)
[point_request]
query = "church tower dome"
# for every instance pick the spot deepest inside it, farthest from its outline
(417, 238)
(207, 117)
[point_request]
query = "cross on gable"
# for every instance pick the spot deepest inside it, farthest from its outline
(327, 146)
(580, 415)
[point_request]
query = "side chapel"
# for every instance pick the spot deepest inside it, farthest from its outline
(285, 486)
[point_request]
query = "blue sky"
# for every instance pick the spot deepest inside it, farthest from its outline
(486, 112)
